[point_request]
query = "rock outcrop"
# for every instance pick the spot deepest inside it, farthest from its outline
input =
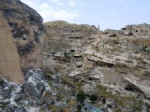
(142, 30)
(122, 54)
(89, 89)
(84, 70)
(110, 58)
(9, 58)
(27, 30)
(23, 32)
(140, 85)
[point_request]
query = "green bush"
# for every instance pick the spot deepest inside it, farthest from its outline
(80, 97)
(93, 98)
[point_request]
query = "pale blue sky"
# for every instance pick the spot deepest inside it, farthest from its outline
(113, 14)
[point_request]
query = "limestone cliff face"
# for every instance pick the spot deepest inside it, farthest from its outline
(27, 30)
(9, 58)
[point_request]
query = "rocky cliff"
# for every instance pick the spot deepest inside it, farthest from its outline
(111, 64)
(9, 58)
(26, 30)
(124, 57)
(85, 70)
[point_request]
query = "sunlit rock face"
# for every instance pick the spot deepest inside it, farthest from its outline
(107, 57)
(84, 69)
(9, 58)
(27, 29)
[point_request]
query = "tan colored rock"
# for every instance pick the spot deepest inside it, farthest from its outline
(9, 58)
(27, 31)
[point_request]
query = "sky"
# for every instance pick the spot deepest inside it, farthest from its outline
(108, 14)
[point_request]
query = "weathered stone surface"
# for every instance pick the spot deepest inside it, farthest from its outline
(91, 108)
(9, 58)
(89, 89)
(27, 29)
(17, 96)
(10, 108)
(137, 30)
(33, 86)
(142, 86)
(20, 109)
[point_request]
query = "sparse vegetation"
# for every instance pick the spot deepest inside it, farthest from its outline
(81, 97)
(93, 98)
(121, 100)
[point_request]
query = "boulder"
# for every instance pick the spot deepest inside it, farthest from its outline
(27, 30)
(141, 86)
(110, 101)
(78, 64)
(89, 89)
(91, 108)
(33, 85)
(32, 91)
(9, 58)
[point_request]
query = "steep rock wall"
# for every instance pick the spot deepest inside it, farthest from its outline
(27, 30)
(9, 58)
